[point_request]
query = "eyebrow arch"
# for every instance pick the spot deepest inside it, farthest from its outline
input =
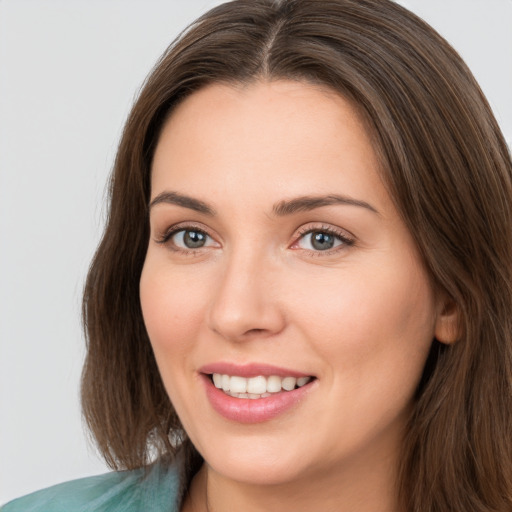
(184, 201)
(283, 208)
(306, 203)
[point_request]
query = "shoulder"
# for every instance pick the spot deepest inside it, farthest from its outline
(155, 488)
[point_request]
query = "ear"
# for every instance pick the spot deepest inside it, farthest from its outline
(448, 327)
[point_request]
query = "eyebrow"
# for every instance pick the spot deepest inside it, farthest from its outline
(184, 201)
(306, 203)
(281, 209)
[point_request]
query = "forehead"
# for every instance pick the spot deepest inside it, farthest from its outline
(280, 138)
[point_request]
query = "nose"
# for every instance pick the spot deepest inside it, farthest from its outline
(245, 302)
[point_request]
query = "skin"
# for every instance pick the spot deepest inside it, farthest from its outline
(360, 317)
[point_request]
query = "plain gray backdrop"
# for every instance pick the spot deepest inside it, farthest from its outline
(69, 72)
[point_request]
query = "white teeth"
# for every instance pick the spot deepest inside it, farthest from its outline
(256, 387)
(251, 396)
(302, 380)
(225, 382)
(274, 384)
(217, 380)
(237, 384)
(289, 383)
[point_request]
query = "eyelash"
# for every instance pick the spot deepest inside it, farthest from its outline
(166, 237)
(342, 236)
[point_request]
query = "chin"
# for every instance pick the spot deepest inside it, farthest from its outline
(260, 463)
(255, 472)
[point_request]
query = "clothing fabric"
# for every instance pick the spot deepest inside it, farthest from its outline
(155, 489)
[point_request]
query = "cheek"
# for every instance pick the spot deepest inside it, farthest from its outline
(172, 307)
(375, 321)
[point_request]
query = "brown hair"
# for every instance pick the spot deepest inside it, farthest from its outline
(448, 169)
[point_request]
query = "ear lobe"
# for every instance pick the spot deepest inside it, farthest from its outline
(448, 327)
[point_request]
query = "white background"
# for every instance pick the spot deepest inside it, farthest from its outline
(69, 71)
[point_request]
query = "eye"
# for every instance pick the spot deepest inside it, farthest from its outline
(319, 241)
(322, 240)
(187, 239)
(190, 239)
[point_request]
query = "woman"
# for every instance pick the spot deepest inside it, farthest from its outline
(301, 300)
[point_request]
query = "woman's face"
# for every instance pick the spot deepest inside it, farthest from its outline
(277, 254)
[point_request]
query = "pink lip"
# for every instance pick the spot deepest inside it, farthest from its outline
(250, 370)
(247, 410)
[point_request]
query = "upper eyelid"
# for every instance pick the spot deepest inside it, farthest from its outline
(186, 226)
(343, 233)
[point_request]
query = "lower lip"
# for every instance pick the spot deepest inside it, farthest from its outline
(258, 410)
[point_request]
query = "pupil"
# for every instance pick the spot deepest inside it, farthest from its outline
(194, 239)
(322, 241)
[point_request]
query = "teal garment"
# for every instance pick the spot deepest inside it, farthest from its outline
(154, 490)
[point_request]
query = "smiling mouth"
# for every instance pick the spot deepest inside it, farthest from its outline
(256, 387)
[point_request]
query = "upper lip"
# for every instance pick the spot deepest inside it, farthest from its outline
(250, 370)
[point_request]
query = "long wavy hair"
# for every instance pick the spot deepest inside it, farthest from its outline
(446, 166)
